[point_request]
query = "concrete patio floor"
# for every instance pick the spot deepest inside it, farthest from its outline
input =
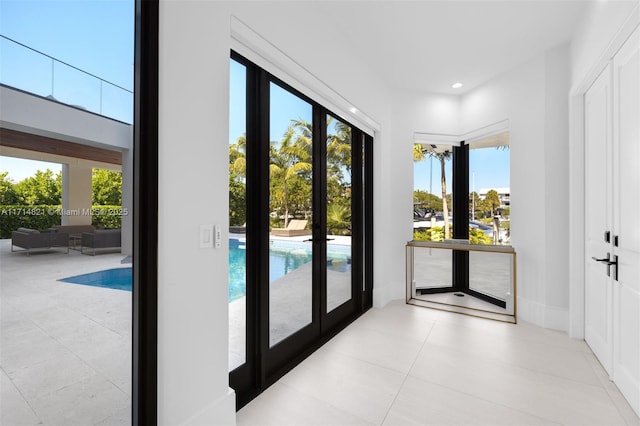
(65, 349)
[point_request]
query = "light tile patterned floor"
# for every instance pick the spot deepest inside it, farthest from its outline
(394, 366)
(407, 365)
(65, 349)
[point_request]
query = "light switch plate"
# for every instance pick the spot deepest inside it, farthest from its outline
(217, 236)
(206, 236)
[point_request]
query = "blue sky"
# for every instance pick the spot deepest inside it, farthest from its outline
(93, 35)
(284, 107)
(488, 167)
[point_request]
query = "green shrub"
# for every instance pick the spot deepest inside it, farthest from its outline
(39, 217)
(436, 233)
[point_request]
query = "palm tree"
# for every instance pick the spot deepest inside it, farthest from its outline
(421, 152)
(338, 144)
(237, 182)
(290, 158)
(338, 219)
(338, 153)
(339, 147)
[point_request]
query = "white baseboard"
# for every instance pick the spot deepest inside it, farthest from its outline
(385, 294)
(542, 315)
(222, 411)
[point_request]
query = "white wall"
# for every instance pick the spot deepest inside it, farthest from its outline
(412, 112)
(556, 190)
(596, 33)
(533, 97)
(193, 176)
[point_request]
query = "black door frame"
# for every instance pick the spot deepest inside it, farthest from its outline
(144, 404)
(264, 364)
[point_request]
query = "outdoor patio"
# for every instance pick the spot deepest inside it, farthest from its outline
(65, 349)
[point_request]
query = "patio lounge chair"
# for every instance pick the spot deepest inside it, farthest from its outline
(238, 229)
(295, 228)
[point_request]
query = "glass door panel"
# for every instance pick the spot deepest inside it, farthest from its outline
(489, 190)
(432, 192)
(433, 269)
(490, 274)
(290, 214)
(237, 215)
(338, 213)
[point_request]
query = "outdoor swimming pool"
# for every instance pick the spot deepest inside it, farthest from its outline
(117, 278)
(284, 257)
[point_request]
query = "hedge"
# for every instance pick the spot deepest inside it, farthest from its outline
(476, 236)
(41, 217)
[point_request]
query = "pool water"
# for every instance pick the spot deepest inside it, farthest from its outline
(117, 278)
(284, 257)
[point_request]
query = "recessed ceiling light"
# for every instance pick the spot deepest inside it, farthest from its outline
(456, 85)
(353, 110)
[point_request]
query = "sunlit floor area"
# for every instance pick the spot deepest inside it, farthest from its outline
(65, 349)
(408, 365)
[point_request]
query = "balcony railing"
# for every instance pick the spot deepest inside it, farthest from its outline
(27, 69)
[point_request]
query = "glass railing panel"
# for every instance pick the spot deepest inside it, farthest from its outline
(25, 69)
(31, 71)
(116, 103)
(76, 88)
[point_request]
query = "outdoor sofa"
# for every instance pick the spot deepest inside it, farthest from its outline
(73, 229)
(32, 239)
(101, 239)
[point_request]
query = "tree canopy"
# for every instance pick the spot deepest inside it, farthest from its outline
(290, 175)
(45, 188)
(8, 193)
(42, 188)
(106, 187)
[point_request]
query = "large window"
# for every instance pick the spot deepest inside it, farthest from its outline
(486, 169)
(462, 195)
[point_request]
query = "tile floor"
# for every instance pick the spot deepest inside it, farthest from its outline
(407, 365)
(65, 349)
(395, 366)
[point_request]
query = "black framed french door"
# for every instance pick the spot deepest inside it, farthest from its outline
(305, 224)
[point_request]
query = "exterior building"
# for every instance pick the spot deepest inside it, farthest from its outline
(503, 193)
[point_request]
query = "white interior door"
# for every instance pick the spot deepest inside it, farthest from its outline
(626, 219)
(598, 198)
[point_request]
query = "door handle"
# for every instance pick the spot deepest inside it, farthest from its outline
(607, 261)
(312, 240)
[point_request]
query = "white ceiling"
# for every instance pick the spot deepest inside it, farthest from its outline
(429, 45)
